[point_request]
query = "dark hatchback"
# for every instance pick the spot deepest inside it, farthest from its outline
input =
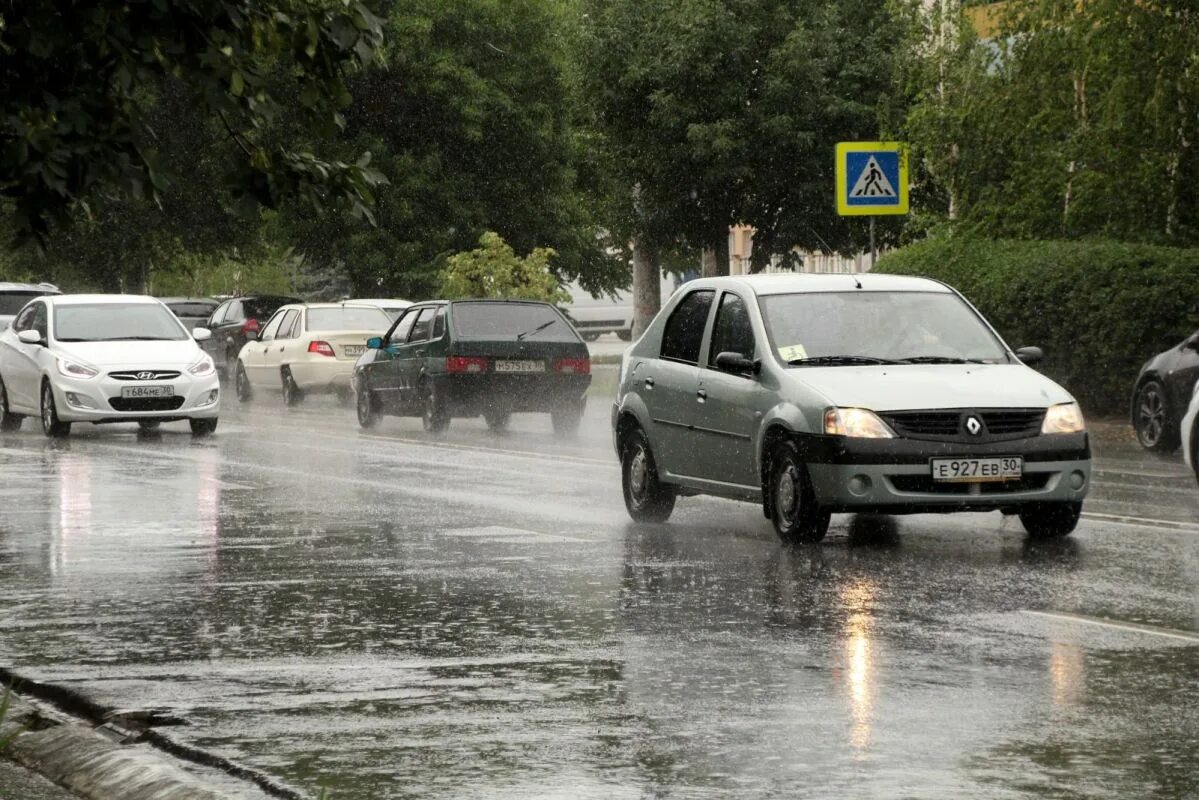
(235, 321)
(468, 358)
(1162, 393)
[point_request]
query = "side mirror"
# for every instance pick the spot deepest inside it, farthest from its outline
(201, 334)
(737, 364)
(1030, 355)
(374, 343)
(30, 336)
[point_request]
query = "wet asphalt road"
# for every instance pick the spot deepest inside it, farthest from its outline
(395, 616)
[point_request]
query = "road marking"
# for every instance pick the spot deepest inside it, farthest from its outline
(1127, 519)
(1128, 627)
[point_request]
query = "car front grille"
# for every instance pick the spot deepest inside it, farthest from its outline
(144, 375)
(997, 424)
(924, 484)
(146, 403)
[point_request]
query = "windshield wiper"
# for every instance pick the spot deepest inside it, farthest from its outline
(941, 360)
(838, 361)
(520, 337)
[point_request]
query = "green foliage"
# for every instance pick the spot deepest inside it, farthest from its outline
(80, 81)
(494, 270)
(272, 271)
(1100, 309)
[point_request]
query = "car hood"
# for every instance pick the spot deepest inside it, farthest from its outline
(923, 386)
(131, 354)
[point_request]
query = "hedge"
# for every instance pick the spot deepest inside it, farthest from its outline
(1099, 309)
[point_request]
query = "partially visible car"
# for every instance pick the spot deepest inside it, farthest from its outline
(467, 358)
(233, 322)
(101, 359)
(192, 311)
(1161, 394)
(308, 349)
(608, 313)
(1190, 434)
(14, 296)
(393, 307)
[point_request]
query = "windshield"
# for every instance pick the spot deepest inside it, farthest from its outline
(890, 326)
(508, 320)
(348, 318)
(109, 322)
(12, 302)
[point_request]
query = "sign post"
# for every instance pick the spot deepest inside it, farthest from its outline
(872, 180)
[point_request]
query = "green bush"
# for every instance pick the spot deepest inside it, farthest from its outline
(1100, 309)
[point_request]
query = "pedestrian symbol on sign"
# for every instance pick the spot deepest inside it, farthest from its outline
(872, 182)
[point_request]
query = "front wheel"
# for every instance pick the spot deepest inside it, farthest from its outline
(368, 415)
(51, 425)
(1050, 520)
(796, 515)
(203, 427)
(292, 396)
(434, 415)
(566, 420)
(8, 421)
(626, 335)
(645, 496)
(1151, 419)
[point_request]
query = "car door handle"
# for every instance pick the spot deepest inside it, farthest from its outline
(701, 395)
(649, 383)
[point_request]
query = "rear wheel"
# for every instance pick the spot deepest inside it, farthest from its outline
(292, 396)
(149, 424)
(242, 383)
(434, 416)
(1151, 419)
(566, 420)
(232, 363)
(8, 420)
(796, 515)
(625, 335)
(646, 498)
(51, 424)
(203, 427)
(590, 336)
(368, 414)
(497, 419)
(1050, 520)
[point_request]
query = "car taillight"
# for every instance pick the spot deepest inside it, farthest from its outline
(321, 348)
(471, 364)
(250, 326)
(573, 366)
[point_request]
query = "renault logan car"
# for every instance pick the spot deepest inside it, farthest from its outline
(104, 358)
(819, 394)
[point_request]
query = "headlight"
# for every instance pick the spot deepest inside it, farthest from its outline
(202, 367)
(1063, 418)
(858, 423)
(73, 369)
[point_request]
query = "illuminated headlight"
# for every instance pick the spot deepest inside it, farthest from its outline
(73, 369)
(202, 367)
(857, 423)
(1063, 418)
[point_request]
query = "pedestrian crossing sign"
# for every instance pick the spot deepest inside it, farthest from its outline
(872, 178)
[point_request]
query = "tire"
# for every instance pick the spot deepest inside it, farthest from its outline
(1195, 450)
(149, 425)
(796, 515)
(1151, 419)
(625, 336)
(203, 427)
(433, 416)
(1050, 520)
(566, 420)
(497, 419)
(9, 421)
(368, 413)
(241, 383)
(292, 396)
(589, 336)
(646, 498)
(52, 426)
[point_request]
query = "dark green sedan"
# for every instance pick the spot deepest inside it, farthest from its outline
(466, 358)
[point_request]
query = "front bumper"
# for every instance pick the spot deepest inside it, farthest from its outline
(99, 399)
(894, 475)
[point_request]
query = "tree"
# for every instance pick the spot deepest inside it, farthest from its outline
(493, 270)
(80, 78)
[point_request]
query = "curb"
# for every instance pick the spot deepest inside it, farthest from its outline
(91, 764)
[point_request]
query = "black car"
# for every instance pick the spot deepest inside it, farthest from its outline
(234, 321)
(1163, 391)
(194, 312)
(467, 358)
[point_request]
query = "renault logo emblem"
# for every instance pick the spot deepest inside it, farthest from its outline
(145, 376)
(973, 426)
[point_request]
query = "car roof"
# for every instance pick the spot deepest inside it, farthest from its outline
(45, 288)
(189, 300)
(792, 282)
(347, 304)
(99, 299)
(371, 301)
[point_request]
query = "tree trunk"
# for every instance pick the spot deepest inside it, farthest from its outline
(708, 264)
(722, 253)
(647, 286)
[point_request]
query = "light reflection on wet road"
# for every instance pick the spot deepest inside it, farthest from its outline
(395, 616)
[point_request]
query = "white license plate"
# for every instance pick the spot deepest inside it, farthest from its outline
(977, 470)
(520, 366)
(354, 349)
(134, 392)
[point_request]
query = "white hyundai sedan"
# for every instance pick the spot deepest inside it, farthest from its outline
(104, 358)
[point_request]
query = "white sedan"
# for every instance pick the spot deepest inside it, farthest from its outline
(1190, 434)
(104, 358)
(308, 348)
